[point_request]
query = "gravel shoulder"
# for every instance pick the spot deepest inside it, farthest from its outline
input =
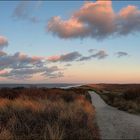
(113, 123)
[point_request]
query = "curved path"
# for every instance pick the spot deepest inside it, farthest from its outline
(113, 123)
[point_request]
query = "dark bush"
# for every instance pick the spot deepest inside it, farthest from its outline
(132, 94)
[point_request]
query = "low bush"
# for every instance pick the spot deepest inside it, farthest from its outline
(132, 94)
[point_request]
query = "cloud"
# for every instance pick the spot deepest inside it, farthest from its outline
(3, 42)
(23, 11)
(85, 58)
(21, 66)
(53, 75)
(65, 57)
(96, 20)
(27, 73)
(20, 10)
(121, 54)
(129, 20)
(2, 53)
(18, 60)
(2, 72)
(100, 54)
(76, 56)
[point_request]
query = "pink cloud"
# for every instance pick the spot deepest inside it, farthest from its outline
(66, 29)
(3, 42)
(129, 18)
(25, 58)
(129, 11)
(3, 72)
(53, 58)
(97, 20)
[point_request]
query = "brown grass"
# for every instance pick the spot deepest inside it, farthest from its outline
(44, 114)
(125, 97)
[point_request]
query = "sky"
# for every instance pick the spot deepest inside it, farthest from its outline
(69, 41)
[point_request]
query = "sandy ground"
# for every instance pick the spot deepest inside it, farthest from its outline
(113, 123)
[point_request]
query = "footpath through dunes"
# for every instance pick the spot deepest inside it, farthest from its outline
(113, 123)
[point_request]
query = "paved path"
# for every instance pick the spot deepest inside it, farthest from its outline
(113, 123)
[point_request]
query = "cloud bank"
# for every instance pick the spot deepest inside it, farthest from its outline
(96, 20)
(22, 66)
(19, 65)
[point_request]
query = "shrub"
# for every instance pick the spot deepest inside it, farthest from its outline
(131, 94)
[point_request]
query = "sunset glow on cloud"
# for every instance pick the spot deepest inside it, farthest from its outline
(3, 42)
(97, 20)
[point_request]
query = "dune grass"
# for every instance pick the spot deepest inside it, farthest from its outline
(44, 114)
(124, 97)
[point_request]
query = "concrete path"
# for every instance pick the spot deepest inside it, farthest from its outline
(113, 123)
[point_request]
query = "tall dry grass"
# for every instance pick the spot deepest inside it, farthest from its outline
(44, 114)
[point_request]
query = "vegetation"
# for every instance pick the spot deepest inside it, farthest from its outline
(44, 114)
(124, 97)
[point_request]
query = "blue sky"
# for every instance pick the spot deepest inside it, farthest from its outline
(34, 40)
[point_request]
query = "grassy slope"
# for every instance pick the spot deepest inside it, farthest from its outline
(46, 114)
